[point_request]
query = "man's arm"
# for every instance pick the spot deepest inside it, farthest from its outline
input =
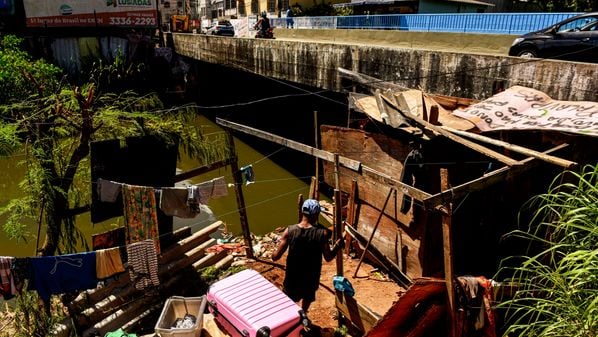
(282, 245)
(329, 253)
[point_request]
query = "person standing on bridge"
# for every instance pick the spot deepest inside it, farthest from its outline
(307, 242)
(290, 21)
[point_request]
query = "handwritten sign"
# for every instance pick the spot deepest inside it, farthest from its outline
(525, 108)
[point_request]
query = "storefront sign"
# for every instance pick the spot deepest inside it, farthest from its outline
(91, 13)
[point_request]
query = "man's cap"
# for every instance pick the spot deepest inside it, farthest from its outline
(311, 207)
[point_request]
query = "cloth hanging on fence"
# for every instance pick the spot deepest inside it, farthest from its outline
(7, 286)
(109, 239)
(248, 174)
(141, 215)
(173, 202)
(63, 274)
(108, 263)
(143, 264)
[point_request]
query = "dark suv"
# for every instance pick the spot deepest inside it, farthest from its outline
(573, 39)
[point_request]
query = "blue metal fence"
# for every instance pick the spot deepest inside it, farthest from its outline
(484, 23)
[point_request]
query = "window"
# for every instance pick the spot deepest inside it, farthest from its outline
(271, 6)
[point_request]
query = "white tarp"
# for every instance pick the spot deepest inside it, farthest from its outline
(525, 108)
(81, 13)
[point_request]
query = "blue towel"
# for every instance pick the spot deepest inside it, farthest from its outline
(63, 273)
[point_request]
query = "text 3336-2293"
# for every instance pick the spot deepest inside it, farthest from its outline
(121, 20)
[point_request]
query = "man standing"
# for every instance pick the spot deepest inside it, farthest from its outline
(307, 242)
(290, 21)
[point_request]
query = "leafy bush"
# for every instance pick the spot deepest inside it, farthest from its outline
(557, 280)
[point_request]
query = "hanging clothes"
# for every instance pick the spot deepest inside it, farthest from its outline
(173, 202)
(141, 215)
(108, 190)
(203, 192)
(109, 239)
(143, 264)
(108, 263)
(248, 174)
(20, 270)
(63, 273)
(7, 286)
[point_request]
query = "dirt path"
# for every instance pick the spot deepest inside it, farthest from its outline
(372, 289)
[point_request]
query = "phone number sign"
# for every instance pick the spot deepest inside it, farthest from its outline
(91, 13)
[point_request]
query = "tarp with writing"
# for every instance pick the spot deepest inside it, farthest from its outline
(525, 108)
(91, 13)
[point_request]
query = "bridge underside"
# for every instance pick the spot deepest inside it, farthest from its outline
(442, 72)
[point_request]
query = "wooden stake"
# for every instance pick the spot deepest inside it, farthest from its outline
(448, 252)
(238, 178)
(317, 146)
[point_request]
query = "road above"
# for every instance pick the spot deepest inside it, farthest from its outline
(489, 44)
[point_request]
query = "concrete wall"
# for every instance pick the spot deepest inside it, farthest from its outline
(463, 74)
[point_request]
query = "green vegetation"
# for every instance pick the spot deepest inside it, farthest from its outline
(557, 279)
(53, 123)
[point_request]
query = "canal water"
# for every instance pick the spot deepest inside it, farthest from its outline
(270, 201)
(281, 174)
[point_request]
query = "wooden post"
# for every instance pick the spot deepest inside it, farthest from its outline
(338, 221)
(448, 252)
(351, 214)
(338, 226)
(238, 178)
(317, 146)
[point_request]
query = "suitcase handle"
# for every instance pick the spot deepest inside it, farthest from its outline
(302, 320)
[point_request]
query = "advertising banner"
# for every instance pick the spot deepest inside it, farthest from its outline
(91, 13)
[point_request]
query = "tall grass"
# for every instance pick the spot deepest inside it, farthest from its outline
(557, 277)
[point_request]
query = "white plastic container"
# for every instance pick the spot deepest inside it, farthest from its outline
(177, 307)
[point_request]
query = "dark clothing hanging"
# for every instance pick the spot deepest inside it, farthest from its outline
(63, 274)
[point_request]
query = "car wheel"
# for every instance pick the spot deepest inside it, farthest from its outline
(528, 54)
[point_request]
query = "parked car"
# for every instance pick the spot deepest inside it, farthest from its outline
(573, 39)
(222, 28)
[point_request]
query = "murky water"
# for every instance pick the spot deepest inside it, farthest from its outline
(270, 201)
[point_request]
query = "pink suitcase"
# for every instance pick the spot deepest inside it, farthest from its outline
(248, 305)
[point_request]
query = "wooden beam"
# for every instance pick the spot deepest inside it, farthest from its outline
(201, 170)
(474, 146)
(361, 316)
(515, 148)
(344, 161)
(486, 180)
(447, 248)
(369, 81)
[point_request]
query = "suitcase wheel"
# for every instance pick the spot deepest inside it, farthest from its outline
(263, 332)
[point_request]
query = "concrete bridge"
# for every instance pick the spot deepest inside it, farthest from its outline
(464, 65)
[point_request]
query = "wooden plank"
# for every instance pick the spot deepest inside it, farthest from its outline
(447, 248)
(361, 316)
(346, 162)
(515, 148)
(201, 170)
(486, 180)
(369, 81)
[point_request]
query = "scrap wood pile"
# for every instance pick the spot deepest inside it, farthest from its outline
(464, 120)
